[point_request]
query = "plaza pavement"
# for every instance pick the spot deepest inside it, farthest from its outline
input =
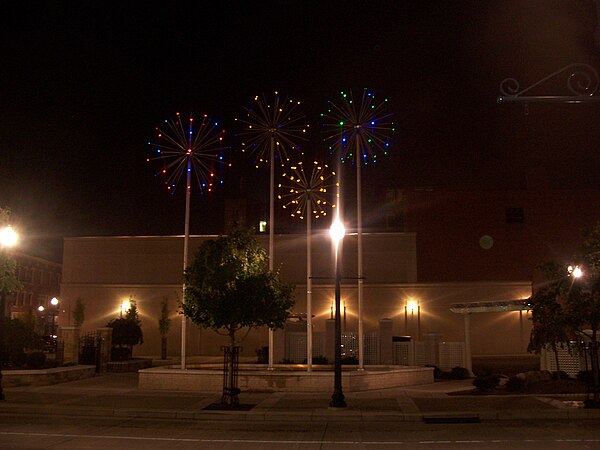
(118, 395)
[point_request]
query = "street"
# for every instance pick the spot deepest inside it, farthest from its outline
(65, 432)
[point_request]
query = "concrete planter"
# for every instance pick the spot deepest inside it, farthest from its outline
(44, 377)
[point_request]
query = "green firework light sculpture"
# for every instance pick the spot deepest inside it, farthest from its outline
(357, 130)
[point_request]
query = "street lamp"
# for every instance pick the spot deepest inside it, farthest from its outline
(8, 239)
(337, 232)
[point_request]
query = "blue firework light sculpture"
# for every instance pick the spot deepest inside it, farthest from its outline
(276, 121)
(303, 194)
(192, 145)
(358, 127)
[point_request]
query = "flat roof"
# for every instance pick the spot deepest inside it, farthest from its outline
(497, 306)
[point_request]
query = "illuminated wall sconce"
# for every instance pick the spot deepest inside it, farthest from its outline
(125, 306)
(262, 226)
(411, 306)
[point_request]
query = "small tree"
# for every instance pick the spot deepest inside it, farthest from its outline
(583, 302)
(79, 312)
(229, 288)
(164, 324)
(126, 332)
(550, 322)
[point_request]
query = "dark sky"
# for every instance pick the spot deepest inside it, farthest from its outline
(83, 85)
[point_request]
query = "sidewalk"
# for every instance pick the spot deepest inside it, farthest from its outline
(117, 395)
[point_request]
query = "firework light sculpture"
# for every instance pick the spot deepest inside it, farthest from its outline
(194, 148)
(307, 196)
(357, 130)
(272, 128)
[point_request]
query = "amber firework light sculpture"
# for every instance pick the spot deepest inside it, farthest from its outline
(272, 128)
(306, 196)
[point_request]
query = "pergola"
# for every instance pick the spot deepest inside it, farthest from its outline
(466, 309)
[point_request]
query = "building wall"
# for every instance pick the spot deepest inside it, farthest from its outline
(527, 227)
(40, 282)
(105, 271)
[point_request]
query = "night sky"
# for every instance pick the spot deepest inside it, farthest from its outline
(84, 84)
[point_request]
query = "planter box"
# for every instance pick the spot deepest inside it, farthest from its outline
(44, 377)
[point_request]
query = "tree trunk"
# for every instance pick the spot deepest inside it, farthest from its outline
(555, 350)
(163, 347)
(595, 368)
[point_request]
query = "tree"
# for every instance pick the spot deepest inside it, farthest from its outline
(126, 332)
(229, 288)
(583, 301)
(164, 324)
(568, 307)
(79, 312)
(9, 283)
(550, 324)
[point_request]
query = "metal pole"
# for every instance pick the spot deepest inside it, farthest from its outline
(186, 238)
(271, 232)
(361, 358)
(308, 287)
(337, 398)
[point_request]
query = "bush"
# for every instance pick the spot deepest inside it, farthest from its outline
(262, 355)
(120, 354)
(437, 372)
(350, 360)
(585, 376)
(459, 373)
(562, 375)
(35, 360)
(18, 359)
(515, 384)
(317, 360)
(486, 383)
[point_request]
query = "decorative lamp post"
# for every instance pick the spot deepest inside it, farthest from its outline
(8, 239)
(337, 232)
(53, 312)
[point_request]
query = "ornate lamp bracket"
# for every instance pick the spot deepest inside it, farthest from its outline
(582, 82)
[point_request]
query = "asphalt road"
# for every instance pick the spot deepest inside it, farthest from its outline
(64, 432)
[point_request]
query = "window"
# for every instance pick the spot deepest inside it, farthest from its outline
(515, 215)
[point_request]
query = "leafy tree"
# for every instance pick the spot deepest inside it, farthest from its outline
(9, 283)
(126, 332)
(79, 312)
(583, 301)
(164, 324)
(550, 324)
(229, 288)
(577, 300)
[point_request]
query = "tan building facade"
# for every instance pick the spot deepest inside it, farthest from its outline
(106, 271)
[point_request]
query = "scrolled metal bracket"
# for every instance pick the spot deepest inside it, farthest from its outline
(582, 82)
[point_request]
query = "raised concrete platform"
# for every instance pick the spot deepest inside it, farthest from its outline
(283, 378)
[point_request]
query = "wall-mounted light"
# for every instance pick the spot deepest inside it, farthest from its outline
(125, 306)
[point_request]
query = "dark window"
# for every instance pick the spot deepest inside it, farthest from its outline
(515, 215)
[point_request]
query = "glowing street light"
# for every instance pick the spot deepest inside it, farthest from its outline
(8, 239)
(575, 271)
(337, 232)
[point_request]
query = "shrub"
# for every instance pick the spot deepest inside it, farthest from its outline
(18, 359)
(120, 353)
(515, 384)
(36, 360)
(317, 360)
(437, 372)
(349, 360)
(262, 355)
(562, 375)
(459, 373)
(585, 376)
(486, 383)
